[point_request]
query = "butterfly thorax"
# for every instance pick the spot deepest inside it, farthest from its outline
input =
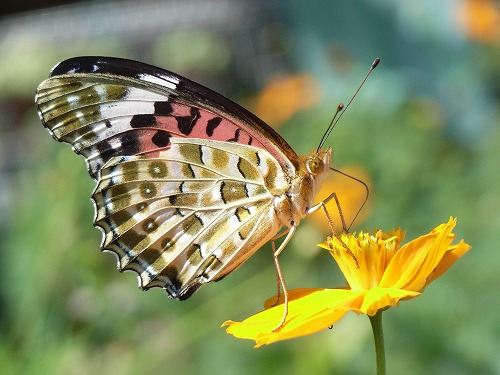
(310, 172)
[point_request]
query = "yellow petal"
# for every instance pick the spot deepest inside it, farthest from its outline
(380, 298)
(412, 264)
(309, 311)
(452, 255)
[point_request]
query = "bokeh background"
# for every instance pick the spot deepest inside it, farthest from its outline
(423, 133)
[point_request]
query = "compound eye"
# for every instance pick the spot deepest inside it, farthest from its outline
(314, 165)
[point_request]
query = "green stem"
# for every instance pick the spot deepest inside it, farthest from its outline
(378, 336)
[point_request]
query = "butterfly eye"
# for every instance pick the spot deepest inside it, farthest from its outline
(314, 165)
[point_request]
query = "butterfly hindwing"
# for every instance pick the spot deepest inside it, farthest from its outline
(189, 216)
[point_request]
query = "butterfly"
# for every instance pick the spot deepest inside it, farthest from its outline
(189, 183)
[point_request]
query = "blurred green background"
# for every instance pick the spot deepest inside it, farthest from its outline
(424, 129)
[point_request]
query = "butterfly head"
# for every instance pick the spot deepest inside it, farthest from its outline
(311, 172)
(318, 163)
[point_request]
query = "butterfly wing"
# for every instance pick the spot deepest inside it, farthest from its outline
(186, 177)
(107, 107)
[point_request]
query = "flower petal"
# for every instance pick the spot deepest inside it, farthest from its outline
(380, 298)
(372, 252)
(309, 311)
(452, 255)
(412, 264)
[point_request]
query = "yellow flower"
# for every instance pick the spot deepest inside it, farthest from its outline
(387, 273)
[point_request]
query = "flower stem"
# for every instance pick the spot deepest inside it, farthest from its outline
(378, 336)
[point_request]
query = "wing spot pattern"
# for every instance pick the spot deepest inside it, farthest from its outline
(236, 136)
(158, 169)
(212, 124)
(163, 108)
(186, 124)
(143, 121)
(150, 226)
(161, 138)
(148, 190)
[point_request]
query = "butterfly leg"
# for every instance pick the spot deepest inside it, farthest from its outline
(322, 205)
(279, 274)
(278, 279)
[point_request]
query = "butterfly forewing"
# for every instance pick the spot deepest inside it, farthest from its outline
(189, 184)
(106, 107)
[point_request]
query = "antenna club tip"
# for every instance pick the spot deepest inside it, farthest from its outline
(340, 107)
(375, 62)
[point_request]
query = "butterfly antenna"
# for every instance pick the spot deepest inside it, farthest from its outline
(330, 127)
(341, 109)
